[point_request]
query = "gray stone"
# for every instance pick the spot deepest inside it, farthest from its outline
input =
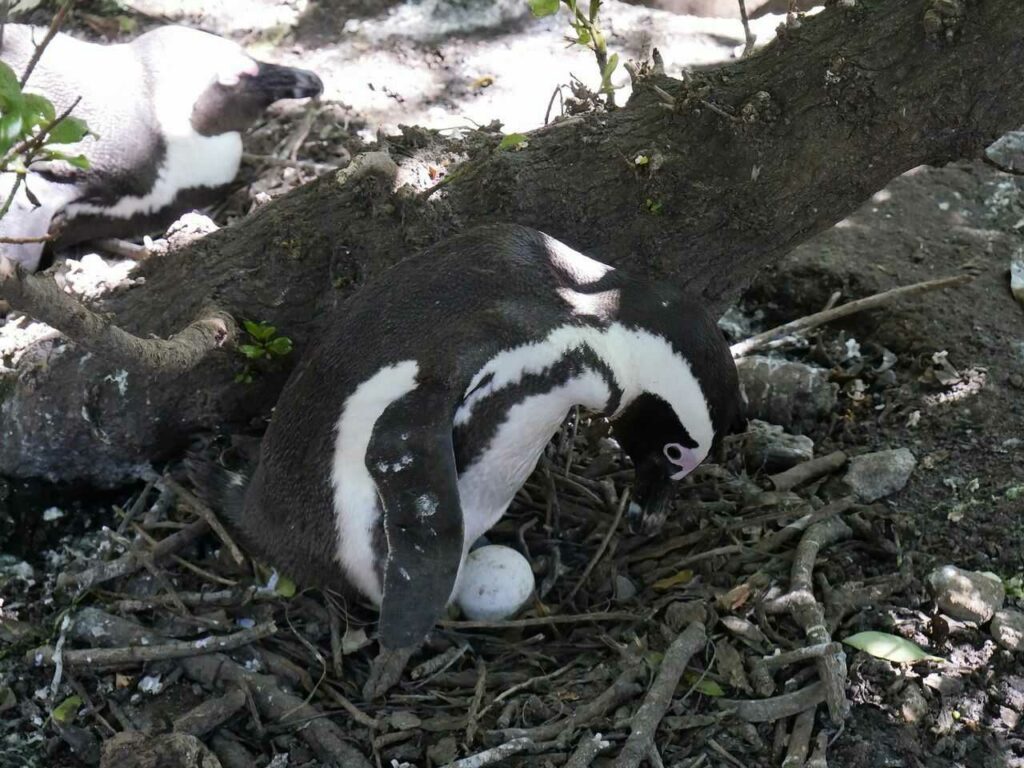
(132, 749)
(1008, 150)
(1007, 629)
(966, 595)
(796, 396)
(913, 704)
(625, 589)
(873, 476)
(767, 447)
(682, 614)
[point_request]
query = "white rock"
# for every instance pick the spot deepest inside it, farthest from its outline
(495, 582)
(1007, 628)
(1017, 279)
(873, 476)
(966, 595)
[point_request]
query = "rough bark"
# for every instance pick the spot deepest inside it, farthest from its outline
(797, 137)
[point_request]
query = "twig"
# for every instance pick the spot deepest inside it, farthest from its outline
(799, 739)
(357, 714)
(745, 347)
(809, 614)
(281, 162)
(136, 654)
(777, 539)
(659, 697)
(623, 503)
(131, 561)
(621, 690)
(818, 759)
(437, 664)
(123, 248)
(748, 47)
(543, 621)
(777, 707)
(23, 240)
(211, 714)
(58, 19)
(201, 509)
(524, 685)
(588, 748)
(494, 754)
(43, 299)
(807, 471)
(474, 706)
(223, 597)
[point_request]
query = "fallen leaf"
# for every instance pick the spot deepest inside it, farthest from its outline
(66, 711)
(882, 645)
(683, 577)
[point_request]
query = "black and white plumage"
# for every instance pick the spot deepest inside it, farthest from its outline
(167, 109)
(406, 433)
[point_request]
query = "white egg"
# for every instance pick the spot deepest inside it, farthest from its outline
(495, 582)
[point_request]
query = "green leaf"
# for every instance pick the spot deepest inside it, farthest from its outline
(252, 351)
(259, 331)
(707, 686)
(285, 587)
(280, 346)
(39, 107)
(595, 6)
(512, 141)
(78, 161)
(66, 711)
(9, 87)
(882, 645)
(683, 577)
(539, 8)
(10, 127)
(245, 377)
(609, 68)
(582, 35)
(68, 131)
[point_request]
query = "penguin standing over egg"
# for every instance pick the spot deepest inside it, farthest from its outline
(406, 433)
(165, 111)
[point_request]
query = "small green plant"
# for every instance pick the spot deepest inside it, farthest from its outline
(587, 33)
(263, 344)
(30, 129)
(653, 206)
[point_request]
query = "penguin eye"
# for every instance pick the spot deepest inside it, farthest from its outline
(674, 452)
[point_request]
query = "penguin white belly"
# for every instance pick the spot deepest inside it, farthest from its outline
(25, 219)
(488, 485)
(191, 161)
(356, 508)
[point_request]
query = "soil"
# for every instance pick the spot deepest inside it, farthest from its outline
(942, 375)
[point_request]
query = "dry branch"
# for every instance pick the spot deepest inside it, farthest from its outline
(803, 324)
(659, 697)
(777, 707)
(42, 299)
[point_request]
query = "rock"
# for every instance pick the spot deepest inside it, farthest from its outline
(966, 595)
(1008, 150)
(1017, 277)
(625, 589)
(873, 476)
(913, 704)
(444, 751)
(796, 396)
(680, 614)
(1007, 629)
(132, 749)
(768, 448)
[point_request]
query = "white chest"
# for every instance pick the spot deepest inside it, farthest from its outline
(488, 485)
(192, 160)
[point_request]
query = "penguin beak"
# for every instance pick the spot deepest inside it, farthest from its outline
(274, 82)
(652, 495)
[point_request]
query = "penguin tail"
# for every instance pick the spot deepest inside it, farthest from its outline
(221, 488)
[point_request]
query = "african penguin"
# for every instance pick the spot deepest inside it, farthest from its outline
(404, 435)
(167, 111)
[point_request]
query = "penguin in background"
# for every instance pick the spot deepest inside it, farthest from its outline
(405, 434)
(167, 110)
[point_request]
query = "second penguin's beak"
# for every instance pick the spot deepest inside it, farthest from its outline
(279, 82)
(652, 495)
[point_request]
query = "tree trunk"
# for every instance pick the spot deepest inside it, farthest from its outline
(748, 161)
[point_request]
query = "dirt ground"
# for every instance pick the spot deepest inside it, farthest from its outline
(941, 375)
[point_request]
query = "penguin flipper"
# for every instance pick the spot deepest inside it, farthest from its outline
(412, 461)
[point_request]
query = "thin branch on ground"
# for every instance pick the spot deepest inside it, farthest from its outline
(543, 621)
(494, 754)
(588, 749)
(659, 697)
(799, 739)
(776, 707)
(748, 36)
(745, 347)
(138, 654)
(808, 471)
(131, 561)
(37, 54)
(623, 503)
(41, 298)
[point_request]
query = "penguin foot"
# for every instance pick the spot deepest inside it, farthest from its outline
(386, 670)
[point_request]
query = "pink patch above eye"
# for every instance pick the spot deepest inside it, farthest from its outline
(684, 458)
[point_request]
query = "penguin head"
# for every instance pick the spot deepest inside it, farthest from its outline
(677, 415)
(211, 85)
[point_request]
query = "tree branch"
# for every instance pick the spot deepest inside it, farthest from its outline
(42, 298)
